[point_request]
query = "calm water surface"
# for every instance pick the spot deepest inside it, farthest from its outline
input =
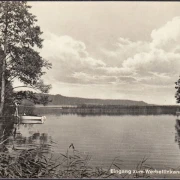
(105, 137)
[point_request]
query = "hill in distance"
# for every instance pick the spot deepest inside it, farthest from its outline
(63, 100)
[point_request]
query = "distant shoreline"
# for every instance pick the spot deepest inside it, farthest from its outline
(107, 109)
(105, 105)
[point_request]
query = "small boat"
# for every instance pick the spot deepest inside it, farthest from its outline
(25, 119)
(28, 119)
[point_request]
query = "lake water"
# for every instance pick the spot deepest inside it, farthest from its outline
(131, 138)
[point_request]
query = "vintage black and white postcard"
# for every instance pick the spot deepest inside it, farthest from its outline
(89, 89)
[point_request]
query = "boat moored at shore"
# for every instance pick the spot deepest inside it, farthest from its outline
(32, 119)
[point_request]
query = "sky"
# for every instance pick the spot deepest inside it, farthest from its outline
(111, 50)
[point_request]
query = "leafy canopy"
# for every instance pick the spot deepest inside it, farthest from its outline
(20, 35)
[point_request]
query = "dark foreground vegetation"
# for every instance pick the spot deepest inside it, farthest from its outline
(34, 163)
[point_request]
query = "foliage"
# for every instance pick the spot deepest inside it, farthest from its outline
(19, 37)
(177, 87)
(35, 163)
(18, 25)
(34, 98)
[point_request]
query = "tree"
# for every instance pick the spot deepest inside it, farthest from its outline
(19, 36)
(177, 87)
(34, 98)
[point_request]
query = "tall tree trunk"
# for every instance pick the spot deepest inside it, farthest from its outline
(4, 55)
(3, 79)
(3, 85)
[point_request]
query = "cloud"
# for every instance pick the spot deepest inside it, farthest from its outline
(123, 49)
(68, 56)
(71, 63)
(151, 63)
(167, 37)
(155, 62)
(93, 79)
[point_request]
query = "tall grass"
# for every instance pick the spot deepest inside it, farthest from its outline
(35, 163)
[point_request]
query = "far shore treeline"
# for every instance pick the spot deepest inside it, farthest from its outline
(87, 109)
(63, 100)
(59, 104)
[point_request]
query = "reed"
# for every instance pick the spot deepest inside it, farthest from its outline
(36, 163)
(85, 110)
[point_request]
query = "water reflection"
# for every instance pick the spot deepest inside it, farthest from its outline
(131, 137)
(6, 131)
(23, 137)
(177, 134)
